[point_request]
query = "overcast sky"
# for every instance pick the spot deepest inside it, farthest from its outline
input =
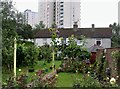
(98, 12)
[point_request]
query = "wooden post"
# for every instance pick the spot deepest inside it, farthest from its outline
(15, 58)
(53, 59)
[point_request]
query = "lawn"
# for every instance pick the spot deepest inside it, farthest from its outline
(63, 79)
(24, 70)
(67, 79)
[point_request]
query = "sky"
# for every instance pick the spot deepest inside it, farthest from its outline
(98, 12)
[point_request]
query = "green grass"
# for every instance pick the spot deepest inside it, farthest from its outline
(67, 79)
(24, 70)
(63, 79)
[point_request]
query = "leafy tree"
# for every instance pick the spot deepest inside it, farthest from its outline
(115, 35)
(75, 51)
(40, 25)
(31, 55)
(27, 55)
(8, 32)
(26, 31)
(75, 55)
(45, 53)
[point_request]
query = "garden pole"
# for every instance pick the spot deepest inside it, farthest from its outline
(53, 59)
(15, 58)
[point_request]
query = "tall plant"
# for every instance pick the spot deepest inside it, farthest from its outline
(54, 34)
(8, 32)
(116, 57)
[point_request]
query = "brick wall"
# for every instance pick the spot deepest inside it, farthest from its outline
(109, 58)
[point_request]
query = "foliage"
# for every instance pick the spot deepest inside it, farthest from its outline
(27, 55)
(38, 27)
(102, 65)
(8, 32)
(75, 51)
(21, 81)
(25, 31)
(115, 35)
(45, 53)
(74, 55)
(86, 82)
(31, 55)
(116, 56)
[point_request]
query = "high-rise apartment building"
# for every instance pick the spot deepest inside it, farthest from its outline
(45, 12)
(31, 17)
(119, 12)
(61, 12)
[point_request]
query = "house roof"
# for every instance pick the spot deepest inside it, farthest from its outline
(87, 32)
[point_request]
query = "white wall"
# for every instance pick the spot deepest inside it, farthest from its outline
(40, 41)
(106, 42)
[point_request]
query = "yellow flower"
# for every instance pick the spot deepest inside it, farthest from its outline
(56, 75)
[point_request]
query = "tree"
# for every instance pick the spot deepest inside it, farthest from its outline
(45, 53)
(25, 31)
(31, 55)
(8, 32)
(40, 25)
(75, 51)
(115, 35)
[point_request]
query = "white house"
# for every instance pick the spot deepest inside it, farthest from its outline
(98, 36)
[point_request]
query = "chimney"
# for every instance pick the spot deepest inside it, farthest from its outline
(93, 27)
(75, 26)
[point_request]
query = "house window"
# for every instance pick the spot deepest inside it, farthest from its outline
(98, 42)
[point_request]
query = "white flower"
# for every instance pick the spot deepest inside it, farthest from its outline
(19, 70)
(112, 81)
(56, 75)
(88, 75)
(107, 78)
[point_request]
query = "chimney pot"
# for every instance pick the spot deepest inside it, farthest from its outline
(75, 25)
(93, 26)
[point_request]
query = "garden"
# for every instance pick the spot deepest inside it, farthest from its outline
(63, 65)
(45, 67)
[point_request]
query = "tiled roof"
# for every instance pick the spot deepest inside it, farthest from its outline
(87, 32)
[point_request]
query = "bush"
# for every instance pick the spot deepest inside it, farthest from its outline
(27, 55)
